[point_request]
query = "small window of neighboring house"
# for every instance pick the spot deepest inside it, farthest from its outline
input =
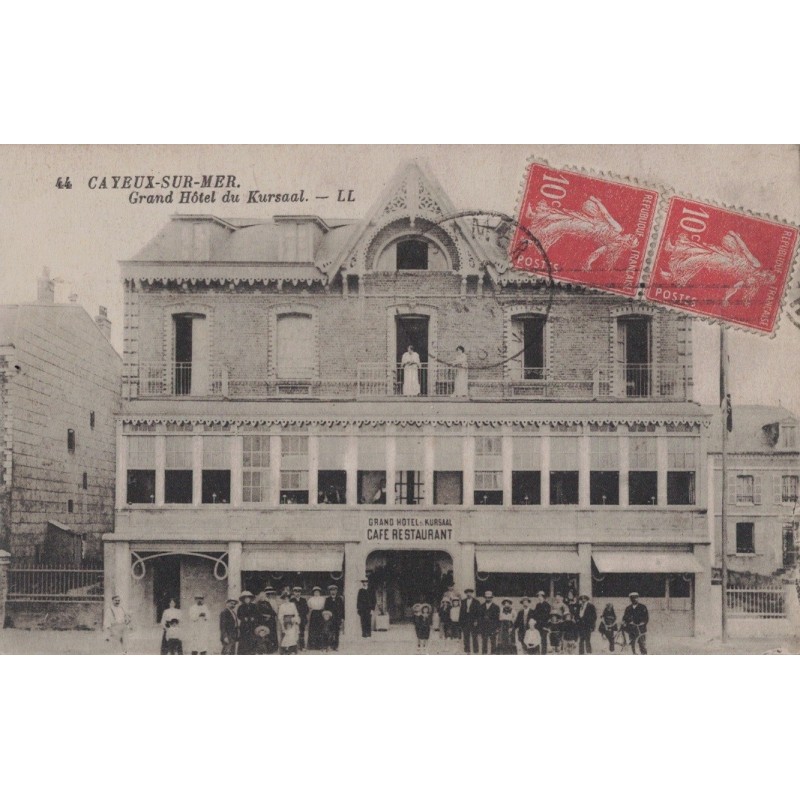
(746, 490)
(70, 506)
(745, 538)
(787, 488)
(70, 440)
(91, 420)
(85, 480)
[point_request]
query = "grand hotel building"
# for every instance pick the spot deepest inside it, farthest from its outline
(265, 436)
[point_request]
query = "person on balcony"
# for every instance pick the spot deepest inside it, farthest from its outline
(410, 365)
(460, 383)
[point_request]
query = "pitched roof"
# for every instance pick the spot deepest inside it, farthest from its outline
(751, 429)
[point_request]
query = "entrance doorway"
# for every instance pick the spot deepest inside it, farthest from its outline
(412, 329)
(166, 582)
(402, 578)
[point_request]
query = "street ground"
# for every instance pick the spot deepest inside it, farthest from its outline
(399, 640)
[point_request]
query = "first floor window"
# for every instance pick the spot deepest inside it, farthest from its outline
(447, 488)
(744, 489)
(604, 488)
(294, 487)
(372, 487)
(526, 488)
(488, 488)
(745, 537)
(141, 486)
(255, 469)
(178, 486)
(680, 488)
(564, 488)
(216, 486)
(643, 488)
(255, 486)
(332, 486)
(408, 487)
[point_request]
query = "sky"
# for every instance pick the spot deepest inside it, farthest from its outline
(80, 234)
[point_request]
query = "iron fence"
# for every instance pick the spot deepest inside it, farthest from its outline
(764, 602)
(31, 582)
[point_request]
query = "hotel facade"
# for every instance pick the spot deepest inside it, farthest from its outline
(267, 434)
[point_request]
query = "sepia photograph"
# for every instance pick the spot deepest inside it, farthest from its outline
(373, 400)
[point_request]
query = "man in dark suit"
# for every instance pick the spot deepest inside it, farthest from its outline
(634, 623)
(541, 613)
(334, 603)
(524, 615)
(468, 619)
(586, 618)
(489, 624)
(365, 605)
(302, 610)
(229, 627)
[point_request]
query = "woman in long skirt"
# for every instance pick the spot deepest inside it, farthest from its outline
(316, 604)
(460, 381)
(506, 642)
(248, 621)
(411, 365)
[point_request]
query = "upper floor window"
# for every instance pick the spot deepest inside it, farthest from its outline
(488, 470)
(70, 440)
(604, 473)
(529, 336)
(745, 488)
(141, 478)
(190, 369)
(294, 469)
(789, 436)
(216, 477)
(412, 254)
(255, 469)
(296, 351)
(681, 471)
(789, 488)
(643, 474)
(634, 356)
(745, 538)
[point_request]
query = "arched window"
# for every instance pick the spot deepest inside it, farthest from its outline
(412, 254)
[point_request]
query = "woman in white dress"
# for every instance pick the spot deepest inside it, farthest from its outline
(411, 365)
(460, 384)
(201, 632)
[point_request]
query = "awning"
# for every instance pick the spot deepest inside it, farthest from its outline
(647, 561)
(527, 560)
(288, 559)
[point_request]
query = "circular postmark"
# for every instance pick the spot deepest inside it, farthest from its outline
(497, 230)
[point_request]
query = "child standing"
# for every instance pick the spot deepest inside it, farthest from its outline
(291, 636)
(569, 635)
(172, 633)
(532, 639)
(422, 624)
(328, 631)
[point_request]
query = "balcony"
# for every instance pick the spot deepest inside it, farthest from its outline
(379, 381)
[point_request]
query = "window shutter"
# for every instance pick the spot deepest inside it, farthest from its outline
(757, 490)
(732, 489)
(777, 485)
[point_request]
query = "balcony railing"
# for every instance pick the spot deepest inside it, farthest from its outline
(382, 381)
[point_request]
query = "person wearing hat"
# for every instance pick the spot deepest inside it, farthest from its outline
(506, 642)
(541, 613)
(118, 622)
(249, 619)
(268, 616)
(334, 603)
(468, 619)
(365, 605)
(316, 605)
(634, 623)
(229, 627)
(199, 627)
(524, 615)
(423, 620)
(302, 610)
(586, 619)
(489, 624)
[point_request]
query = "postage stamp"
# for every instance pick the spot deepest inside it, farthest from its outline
(594, 230)
(722, 264)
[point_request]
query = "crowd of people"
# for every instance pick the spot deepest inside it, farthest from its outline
(263, 624)
(538, 627)
(267, 623)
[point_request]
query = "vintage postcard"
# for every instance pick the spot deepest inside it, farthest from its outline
(493, 400)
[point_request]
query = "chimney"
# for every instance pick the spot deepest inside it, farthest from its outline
(45, 288)
(103, 322)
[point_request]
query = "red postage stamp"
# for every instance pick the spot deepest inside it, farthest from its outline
(722, 264)
(593, 231)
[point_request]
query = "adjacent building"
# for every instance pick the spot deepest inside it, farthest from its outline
(59, 394)
(276, 429)
(763, 473)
